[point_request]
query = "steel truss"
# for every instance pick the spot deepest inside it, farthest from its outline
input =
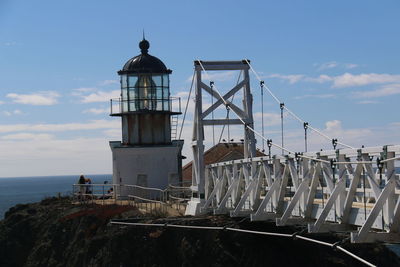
(327, 190)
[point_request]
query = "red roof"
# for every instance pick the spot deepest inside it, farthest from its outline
(218, 153)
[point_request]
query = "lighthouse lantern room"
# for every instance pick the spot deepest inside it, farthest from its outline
(147, 155)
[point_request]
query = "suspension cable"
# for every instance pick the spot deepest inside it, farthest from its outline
(290, 112)
(231, 229)
(227, 113)
(187, 104)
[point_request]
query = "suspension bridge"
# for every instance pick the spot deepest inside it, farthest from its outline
(342, 189)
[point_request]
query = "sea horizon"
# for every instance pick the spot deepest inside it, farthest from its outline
(55, 175)
(30, 189)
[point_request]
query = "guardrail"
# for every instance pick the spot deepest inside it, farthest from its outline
(133, 195)
(121, 106)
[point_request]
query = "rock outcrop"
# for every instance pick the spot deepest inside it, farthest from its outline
(56, 232)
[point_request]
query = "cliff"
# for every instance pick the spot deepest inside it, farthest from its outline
(55, 232)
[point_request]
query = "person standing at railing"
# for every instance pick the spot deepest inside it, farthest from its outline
(88, 183)
(81, 181)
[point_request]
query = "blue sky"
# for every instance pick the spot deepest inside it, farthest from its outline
(335, 64)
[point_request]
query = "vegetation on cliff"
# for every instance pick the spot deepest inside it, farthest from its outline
(56, 232)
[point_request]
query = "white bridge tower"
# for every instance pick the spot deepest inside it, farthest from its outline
(201, 119)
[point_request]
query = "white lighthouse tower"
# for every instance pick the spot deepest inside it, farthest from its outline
(147, 155)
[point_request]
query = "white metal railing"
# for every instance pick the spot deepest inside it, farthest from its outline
(134, 194)
(338, 189)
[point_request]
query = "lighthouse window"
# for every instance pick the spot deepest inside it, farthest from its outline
(157, 80)
(145, 92)
(132, 81)
(165, 80)
(124, 81)
(124, 96)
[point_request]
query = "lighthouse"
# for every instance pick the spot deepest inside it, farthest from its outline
(148, 155)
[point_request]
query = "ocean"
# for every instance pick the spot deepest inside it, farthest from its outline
(19, 190)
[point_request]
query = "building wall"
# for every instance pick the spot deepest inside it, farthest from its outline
(154, 166)
(146, 129)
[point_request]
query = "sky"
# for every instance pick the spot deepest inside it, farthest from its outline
(335, 64)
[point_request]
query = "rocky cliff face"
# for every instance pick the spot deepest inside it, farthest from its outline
(55, 232)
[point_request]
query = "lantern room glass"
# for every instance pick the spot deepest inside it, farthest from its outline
(145, 92)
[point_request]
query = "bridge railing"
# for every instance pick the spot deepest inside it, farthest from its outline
(337, 189)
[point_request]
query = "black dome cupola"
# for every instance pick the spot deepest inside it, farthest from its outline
(145, 102)
(144, 63)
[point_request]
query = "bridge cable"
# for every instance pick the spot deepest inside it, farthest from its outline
(224, 228)
(290, 112)
(251, 129)
(227, 113)
(187, 104)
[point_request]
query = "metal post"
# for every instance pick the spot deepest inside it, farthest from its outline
(282, 106)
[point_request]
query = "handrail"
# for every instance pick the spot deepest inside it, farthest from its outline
(223, 228)
(143, 187)
(148, 194)
(119, 105)
(146, 199)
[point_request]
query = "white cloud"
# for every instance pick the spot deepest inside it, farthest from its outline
(109, 82)
(27, 136)
(50, 156)
(320, 79)
(38, 99)
(327, 65)
(270, 119)
(323, 96)
(12, 43)
(14, 112)
(82, 90)
(292, 78)
(351, 80)
(367, 102)
(92, 125)
(113, 133)
(344, 80)
(97, 111)
(350, 65)
(333, 125)
(334, 64)
(100, 96)
(386, 90)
